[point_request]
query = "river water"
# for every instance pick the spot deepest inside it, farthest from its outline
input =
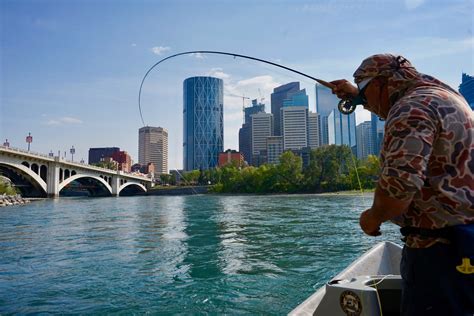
(177, 255)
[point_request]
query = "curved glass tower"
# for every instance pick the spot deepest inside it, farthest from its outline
(203, 134)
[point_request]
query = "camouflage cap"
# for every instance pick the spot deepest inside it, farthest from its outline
(397, 69)
(385, 65)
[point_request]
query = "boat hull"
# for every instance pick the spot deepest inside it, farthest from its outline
(371, 285)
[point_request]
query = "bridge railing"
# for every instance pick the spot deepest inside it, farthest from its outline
(23, 151)
(78, 164)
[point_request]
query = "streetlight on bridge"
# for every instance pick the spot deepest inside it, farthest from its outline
(29, 140)
(72, 151)
(6, 143)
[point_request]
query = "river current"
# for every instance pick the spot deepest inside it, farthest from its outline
(206, 254)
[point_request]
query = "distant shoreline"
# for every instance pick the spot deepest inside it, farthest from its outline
(206, 190)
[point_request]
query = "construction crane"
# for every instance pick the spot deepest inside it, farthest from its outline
(243, 103)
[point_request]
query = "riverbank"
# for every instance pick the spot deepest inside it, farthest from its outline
(189, 190)
(192, 190)
(8, 200)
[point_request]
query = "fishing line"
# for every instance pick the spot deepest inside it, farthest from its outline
(324, 83)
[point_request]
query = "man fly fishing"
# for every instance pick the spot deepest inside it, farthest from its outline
(426, 184)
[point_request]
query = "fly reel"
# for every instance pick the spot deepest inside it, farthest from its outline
(347, 106)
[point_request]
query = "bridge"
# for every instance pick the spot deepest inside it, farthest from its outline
(38, 175)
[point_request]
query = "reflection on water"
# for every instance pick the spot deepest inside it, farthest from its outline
(184, 254)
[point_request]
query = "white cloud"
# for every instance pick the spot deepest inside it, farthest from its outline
(52, 123)
(134, 45)
(240, 93)
(62, 121)
(218, 73)
(70, 120)
(413, 4)
(158, 50)
(198, 55)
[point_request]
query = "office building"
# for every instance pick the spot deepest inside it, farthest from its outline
(326, 102)
(274, 149)
(262, 126)
(97, 155)
(277, 97)
(314, 130)
(294, 120)
(153, 147)
(377, 132)
(365, 144)
(341, 129)
(203, 122)
(231, 157)
(148, 169)
(254, 109)
(294, 127)
(466, 88)
(245, 142)
(324, 131)
(123, 159)
(245, 132)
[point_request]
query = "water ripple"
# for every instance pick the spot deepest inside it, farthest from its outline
(176, 255)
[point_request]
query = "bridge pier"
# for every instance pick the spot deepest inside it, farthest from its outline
(115, 184)
(53, 179)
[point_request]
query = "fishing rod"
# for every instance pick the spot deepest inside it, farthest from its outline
(345, 106)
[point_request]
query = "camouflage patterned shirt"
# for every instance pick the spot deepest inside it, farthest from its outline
(428, 153)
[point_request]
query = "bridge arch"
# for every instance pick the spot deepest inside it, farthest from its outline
(137, 186)
(79, 177)
(34, 178)
(43, 172)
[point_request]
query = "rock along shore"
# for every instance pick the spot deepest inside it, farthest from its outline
(7, 200)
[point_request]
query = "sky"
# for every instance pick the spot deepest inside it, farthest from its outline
(70, 71)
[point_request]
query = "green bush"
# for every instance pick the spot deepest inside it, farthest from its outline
(331, 168)
(6, 188)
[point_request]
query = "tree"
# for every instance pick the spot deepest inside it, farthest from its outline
(111, 164)
(366, 173)
(191, 177)
(167, 178)
(329, 169)
(289, 172)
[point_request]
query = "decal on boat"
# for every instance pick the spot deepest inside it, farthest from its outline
(350, 303)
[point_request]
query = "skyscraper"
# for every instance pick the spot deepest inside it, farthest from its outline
(274, 149)
(314, 130)
(203, 122)
(153, 147)
(294, 120)
(262, 124)
(365, 144)
(466, 88)
(279, 94)
(341, 129)
(245, 132)
(326, 102)
(254, 109)
(377, 131)
(294, 127)
(97, 154)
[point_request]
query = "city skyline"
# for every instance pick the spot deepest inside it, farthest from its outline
(70, 71)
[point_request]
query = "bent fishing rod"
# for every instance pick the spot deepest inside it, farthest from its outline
(345, 106)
